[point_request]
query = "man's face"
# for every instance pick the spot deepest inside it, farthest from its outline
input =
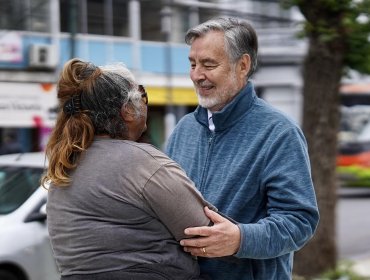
(215, 78)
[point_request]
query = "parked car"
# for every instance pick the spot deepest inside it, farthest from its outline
(25, 250)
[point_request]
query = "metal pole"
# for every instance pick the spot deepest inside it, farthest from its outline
(72, 26)
(84, 30)
(135, 35)
(55, 27)
(170, 117)
(108, 17)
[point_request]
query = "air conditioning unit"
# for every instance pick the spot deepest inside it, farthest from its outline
(42, 56)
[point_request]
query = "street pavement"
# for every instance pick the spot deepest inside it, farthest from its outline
(362, 267)
(353, 228)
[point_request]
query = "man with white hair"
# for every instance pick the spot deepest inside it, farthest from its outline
(246, 158)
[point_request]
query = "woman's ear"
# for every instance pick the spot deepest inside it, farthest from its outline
(128, 113)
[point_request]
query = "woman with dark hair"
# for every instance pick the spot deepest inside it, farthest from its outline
(116, 208)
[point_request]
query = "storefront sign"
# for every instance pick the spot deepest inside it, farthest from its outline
(10, 47)
(27, 104)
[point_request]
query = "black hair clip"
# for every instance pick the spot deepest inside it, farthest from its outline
(73, 105)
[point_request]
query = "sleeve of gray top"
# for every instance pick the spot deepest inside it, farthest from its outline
(175, 200)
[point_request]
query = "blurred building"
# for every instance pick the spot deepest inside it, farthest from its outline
(38, 36)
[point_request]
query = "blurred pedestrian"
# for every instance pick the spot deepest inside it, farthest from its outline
(116, 208)
(246, 158)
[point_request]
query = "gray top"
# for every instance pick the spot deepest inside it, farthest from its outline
(127, 204)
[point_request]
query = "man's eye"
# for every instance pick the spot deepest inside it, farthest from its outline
(210, 66)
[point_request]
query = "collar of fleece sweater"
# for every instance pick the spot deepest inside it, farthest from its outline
(232, 112)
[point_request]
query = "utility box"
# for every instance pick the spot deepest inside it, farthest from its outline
(42, 56)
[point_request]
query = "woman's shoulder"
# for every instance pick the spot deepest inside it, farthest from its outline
(130, 150)
(123, 154)
(145, 151)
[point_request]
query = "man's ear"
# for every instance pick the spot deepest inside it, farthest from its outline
(245, 65)
(127, 113)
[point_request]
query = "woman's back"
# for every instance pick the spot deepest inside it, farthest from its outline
(125, 208)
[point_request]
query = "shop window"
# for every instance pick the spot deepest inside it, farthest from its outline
(120, 18)
(30, 15)
(151, 20)
(95, 17)
(102, 17)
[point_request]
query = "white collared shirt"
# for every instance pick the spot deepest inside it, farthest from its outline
(211, 125)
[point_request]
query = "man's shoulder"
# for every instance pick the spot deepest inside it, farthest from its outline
(186, 126)
(187, 119)
(267, 113)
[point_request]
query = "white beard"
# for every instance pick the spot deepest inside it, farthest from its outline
(208, 101)
(220, 97)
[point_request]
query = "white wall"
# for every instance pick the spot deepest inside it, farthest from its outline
(282, 87)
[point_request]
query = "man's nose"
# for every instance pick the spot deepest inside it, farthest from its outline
(197, 74)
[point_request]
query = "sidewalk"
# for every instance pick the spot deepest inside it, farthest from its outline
(353, 231)
(362, 267)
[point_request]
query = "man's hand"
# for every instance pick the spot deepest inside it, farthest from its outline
(221, 239)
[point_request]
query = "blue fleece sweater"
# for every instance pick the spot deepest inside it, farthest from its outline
(255, 169)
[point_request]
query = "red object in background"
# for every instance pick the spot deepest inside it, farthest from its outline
(38, 121)
(361, 159)
(47, 86)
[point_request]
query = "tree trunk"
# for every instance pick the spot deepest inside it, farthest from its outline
(322, 73)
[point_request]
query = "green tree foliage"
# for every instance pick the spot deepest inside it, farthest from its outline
(357, 24)
(353, 28)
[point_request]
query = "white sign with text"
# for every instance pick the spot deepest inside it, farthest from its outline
(27, 104)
